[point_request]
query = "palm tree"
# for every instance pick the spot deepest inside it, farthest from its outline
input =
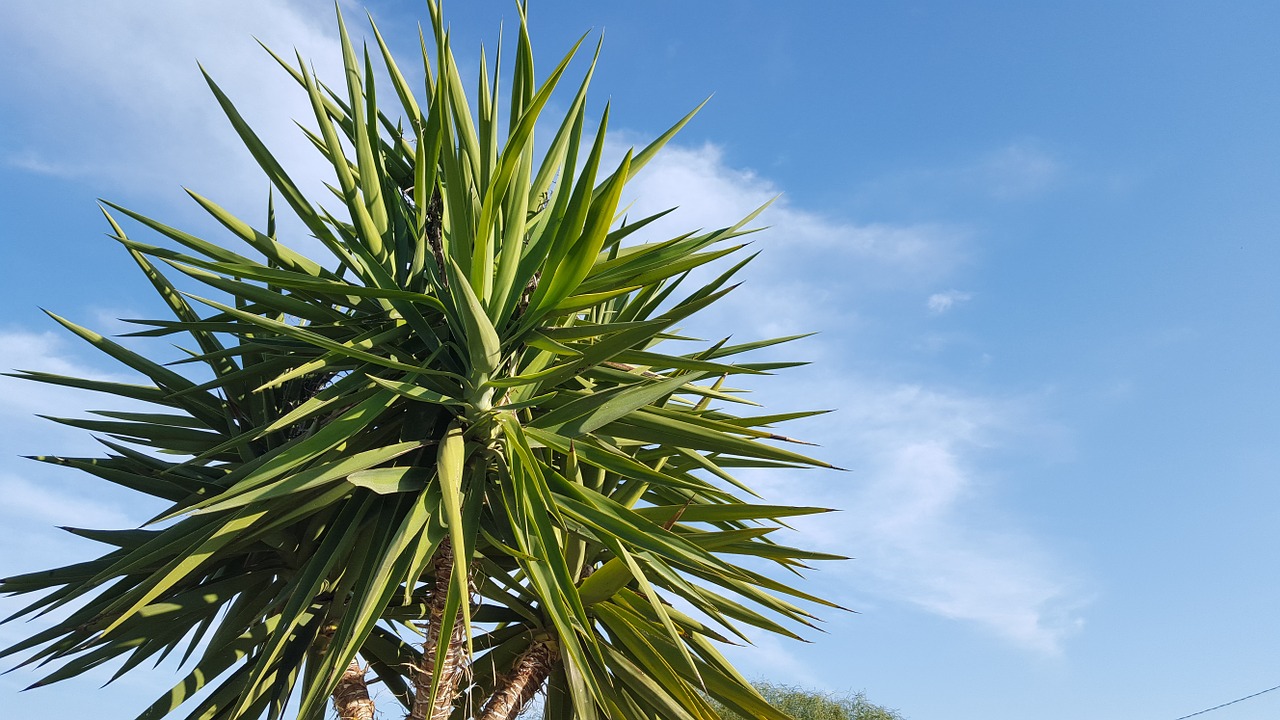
(461, 455)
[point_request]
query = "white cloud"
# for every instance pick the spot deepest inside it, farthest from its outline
(815, 271)
(939, 303)
(112, 92)
(920, 507)
(49, 352)
(710, 194)
(21, 432)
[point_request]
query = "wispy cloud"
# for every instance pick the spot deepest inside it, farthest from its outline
(926, 527)
(31, 160)
(939, 303)
(711, 194)
(773, 659)
(920, 507)
(1017, 170)
(50, 352)
(1022, 170)
(814, 270)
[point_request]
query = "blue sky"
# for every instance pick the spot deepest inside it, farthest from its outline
(1039, 243)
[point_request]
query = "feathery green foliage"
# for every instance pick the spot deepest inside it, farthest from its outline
(470, 423)
(803, 704)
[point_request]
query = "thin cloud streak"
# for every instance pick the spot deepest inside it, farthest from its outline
(939, 303)
(1020, 171)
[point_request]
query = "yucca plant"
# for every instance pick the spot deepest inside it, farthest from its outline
(466, 454)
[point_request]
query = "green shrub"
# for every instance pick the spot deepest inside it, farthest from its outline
(804, 704)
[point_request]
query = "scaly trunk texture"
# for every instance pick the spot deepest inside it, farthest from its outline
(455, 661)
(524, 681)
(351, 697)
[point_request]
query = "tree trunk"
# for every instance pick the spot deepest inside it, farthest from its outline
(518, 687)
(351, 696)
(455, 660)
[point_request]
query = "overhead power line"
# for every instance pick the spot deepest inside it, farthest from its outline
(1233, 702)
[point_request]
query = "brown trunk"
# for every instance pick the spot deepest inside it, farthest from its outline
(455, 660)
(351, 697)
(514, 690)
